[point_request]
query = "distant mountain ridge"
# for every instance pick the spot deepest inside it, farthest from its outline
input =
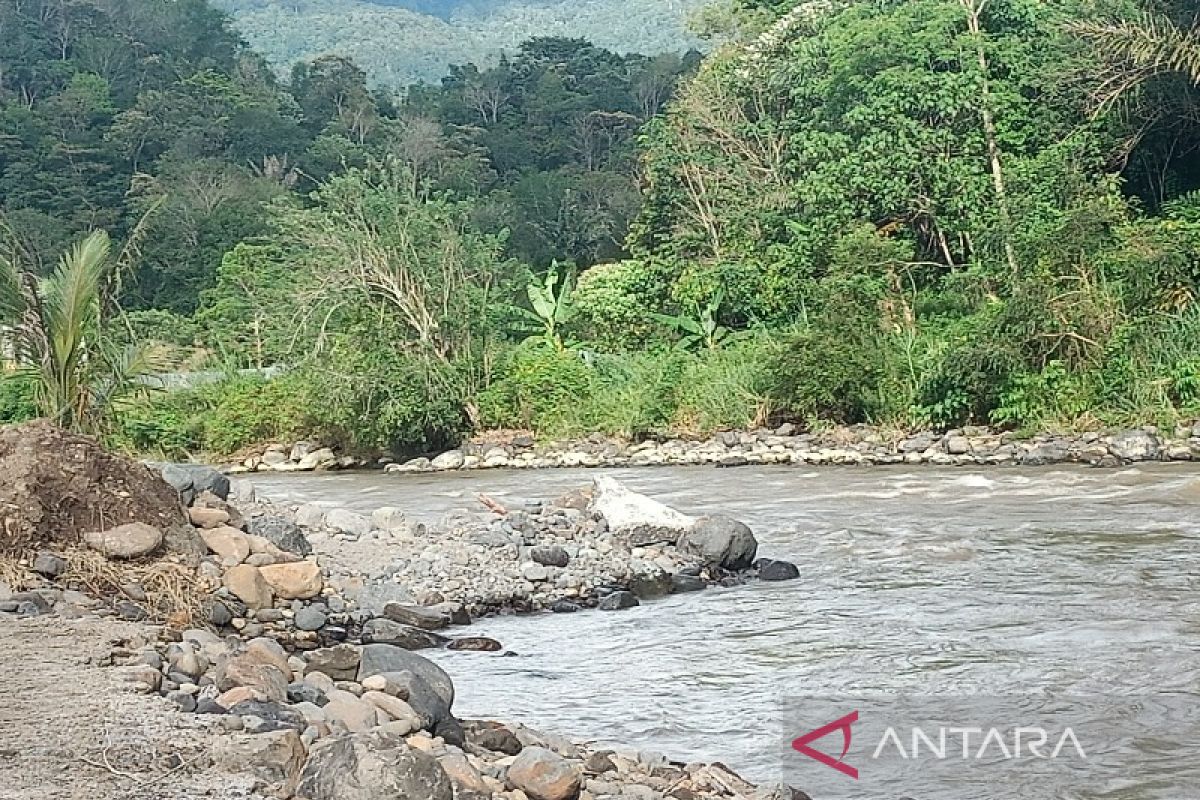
(399, 42)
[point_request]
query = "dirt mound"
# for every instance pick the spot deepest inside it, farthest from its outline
(55, 486)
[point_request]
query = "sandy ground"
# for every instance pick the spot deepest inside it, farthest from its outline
(71, 729)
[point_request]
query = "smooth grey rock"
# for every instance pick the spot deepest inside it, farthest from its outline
(720, 541)
(348, 521)
(681, 584)
(430, 690)
(310, 618)
(452, 459)
(1134, 445)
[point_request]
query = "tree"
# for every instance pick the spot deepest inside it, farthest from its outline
(56, 330)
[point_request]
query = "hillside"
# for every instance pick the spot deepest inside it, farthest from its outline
(413, 40)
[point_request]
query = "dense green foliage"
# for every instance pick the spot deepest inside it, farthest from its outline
(399, 42)
(918, 213)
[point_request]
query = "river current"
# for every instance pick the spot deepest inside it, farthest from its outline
(1055, 583)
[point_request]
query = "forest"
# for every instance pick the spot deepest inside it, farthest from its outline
(916, 214)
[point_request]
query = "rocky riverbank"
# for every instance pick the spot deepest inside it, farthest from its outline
(856, 445)
(291, 633)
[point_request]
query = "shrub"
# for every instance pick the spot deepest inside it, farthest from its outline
(17, 402)
(727, 388)
(614, 302)
(541, 388)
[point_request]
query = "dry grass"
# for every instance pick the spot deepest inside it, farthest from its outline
(175, 593)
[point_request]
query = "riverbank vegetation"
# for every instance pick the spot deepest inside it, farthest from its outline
(921, 214)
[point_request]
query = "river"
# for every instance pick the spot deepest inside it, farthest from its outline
(1056, 582)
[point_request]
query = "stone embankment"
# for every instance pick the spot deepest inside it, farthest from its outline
(860, 445)
(304, 662)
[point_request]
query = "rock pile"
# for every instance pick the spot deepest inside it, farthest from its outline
(376, 721)
(858, 445)
(303, 456)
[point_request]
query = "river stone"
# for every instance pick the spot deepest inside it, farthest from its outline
(430, 690)
(650, 583)
(310, 618)
(299, 580)
(371, 767)
(1050, 453)
(203, 517)
(477, 644)
(544, 775)
(281, 532)
(550, 556)
(451, 459)
(230, 544)
(340, 662)
(720, 541)
(49, 565)
(464, 776)
(322, 458)
(310, 515)
(399, 710)
(249, 586)
(348, 521)
(681, 584)
(355, 714)
(132, 540)
(770, 569)
(618, 601)
(386, 631)
(275, 757)
(1134, 445)
(492, 736)
(565, 607)
(417, 616)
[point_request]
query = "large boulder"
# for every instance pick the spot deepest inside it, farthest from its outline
(641, 520)
(368, 766)
(281, 532)
(416, 616)
(544, 775)
(275, 757)
(298, 580)
(720, 541)
(55, 486)
(430, 690)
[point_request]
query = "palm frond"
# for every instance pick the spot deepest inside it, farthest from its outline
(12, 305)
(1147, 45)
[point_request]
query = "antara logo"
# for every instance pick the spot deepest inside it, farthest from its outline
(1026, 742)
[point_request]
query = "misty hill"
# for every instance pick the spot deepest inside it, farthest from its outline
(402, 41)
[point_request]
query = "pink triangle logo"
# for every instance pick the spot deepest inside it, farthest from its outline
(801, 744)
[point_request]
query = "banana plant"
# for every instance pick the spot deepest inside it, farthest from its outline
(550, 303)
(702, 329)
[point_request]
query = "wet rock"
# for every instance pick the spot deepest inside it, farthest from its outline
(416, 616)
(371, 767)
(565, 607)
(618, 601)
(386, 631)
(550, 556)
(681, 584)
(430, 690)
(648, 584)
(299, 580)
(544, 775)
(281, 532)
(720, 541)
(49, 565)
(492, 736)
(132, 540)
(773, 570)
(478, 644)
